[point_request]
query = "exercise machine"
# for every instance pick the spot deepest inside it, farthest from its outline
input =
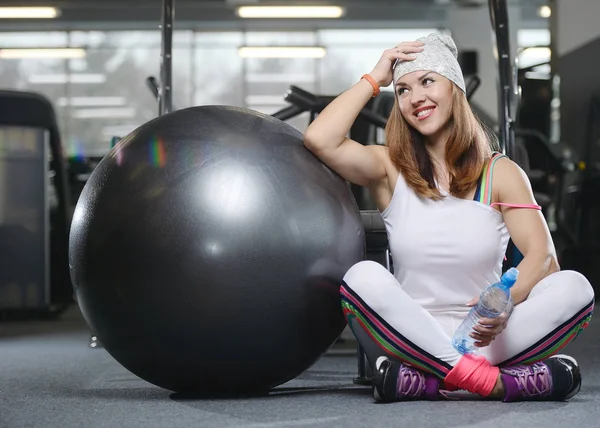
(34, 210)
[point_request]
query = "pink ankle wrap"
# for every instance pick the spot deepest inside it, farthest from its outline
(473, 373)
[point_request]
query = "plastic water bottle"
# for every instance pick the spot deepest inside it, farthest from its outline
(493, 301)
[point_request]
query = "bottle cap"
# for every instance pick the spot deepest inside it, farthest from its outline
(510, 277)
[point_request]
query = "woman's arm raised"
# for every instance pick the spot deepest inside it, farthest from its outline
(326, 137)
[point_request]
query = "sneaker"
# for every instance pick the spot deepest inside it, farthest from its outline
(556, 379)
(394, 381)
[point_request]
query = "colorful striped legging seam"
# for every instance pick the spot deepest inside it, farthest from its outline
(556, 340)
(390, 341)
(396, 345)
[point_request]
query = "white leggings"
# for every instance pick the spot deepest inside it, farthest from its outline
(387, 321)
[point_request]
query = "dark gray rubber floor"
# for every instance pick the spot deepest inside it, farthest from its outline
(49, 378)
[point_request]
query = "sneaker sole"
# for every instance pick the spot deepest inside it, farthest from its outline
(566, 357)
(379, 361)
(574, 361)
(376, 379)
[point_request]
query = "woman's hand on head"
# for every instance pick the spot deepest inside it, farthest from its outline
(383, 72)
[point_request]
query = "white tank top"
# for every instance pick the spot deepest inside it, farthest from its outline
(445, 252)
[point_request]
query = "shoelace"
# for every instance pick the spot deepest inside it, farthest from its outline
(528, 379)
(411, 382)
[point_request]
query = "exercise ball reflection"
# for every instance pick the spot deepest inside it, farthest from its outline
(207, 250)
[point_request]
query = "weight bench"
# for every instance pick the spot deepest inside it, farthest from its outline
(378, 251)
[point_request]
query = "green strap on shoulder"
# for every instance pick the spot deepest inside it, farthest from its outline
(485, 189)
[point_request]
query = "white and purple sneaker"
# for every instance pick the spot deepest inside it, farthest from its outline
(556, 379)
(394, 381)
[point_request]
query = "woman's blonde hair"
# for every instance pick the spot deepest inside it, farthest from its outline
(467, 150)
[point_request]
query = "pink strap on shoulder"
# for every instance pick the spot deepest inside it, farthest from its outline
(530, 206)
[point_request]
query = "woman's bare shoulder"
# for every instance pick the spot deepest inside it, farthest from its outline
(510, 179)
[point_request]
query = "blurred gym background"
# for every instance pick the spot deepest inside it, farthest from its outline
(77, 76)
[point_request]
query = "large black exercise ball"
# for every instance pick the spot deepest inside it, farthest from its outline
(207, 250)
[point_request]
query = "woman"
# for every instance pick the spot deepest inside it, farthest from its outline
(450, 206)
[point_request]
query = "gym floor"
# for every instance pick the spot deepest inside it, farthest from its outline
(49, 378)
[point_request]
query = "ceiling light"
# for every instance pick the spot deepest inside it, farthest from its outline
(280, 78)
(62, 53)
(105, 113)
(265, 100)
(92, 101)
(281, 52)
(60, 79)
(290, 11)
(545, 12)
(539, 52)
(28, 12)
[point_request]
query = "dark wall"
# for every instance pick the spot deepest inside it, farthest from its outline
(579, 71)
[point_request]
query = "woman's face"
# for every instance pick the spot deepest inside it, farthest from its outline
(425, 101)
